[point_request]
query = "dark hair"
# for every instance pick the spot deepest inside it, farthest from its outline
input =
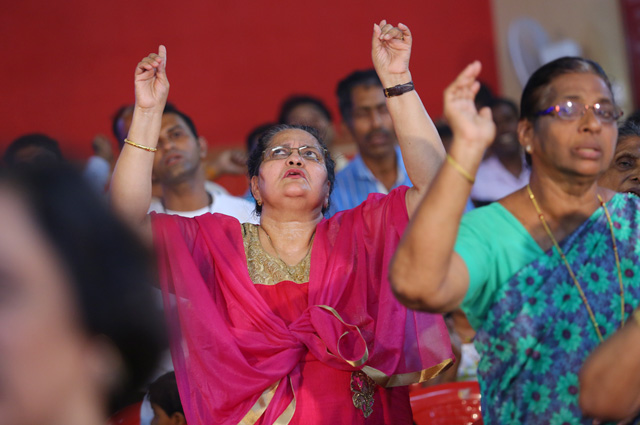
(499, 101)
(367, 77)
(628, 129)
(40, 141)
(444, 130)
(254, 135)
(164, 392)
(446, 135)
(109, 267)
(532, 95)
(534, 91)
(484, 97)
(171, 109)
(294, 101)
(634, 117)
(115, 119)
(256, 155)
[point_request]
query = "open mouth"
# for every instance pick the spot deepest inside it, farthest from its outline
(294, 174)
(378, 137)
(378, 140)
(172, 158)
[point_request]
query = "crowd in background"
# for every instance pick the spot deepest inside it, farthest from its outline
(96, 324)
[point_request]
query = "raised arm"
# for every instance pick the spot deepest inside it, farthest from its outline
(131, 181)
(421, 146)
(425, 273)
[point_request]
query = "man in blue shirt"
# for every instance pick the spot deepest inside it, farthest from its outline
(378, 167)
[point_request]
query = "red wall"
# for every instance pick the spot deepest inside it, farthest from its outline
(66, 66)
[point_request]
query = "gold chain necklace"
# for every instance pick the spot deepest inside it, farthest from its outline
(278, 254)
(566, 263)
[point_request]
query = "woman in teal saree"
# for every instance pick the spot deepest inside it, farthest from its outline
(544, 274)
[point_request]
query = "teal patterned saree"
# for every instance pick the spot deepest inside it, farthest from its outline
(537, 333)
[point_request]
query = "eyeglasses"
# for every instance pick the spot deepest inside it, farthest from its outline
(570, 110)
(309, 153)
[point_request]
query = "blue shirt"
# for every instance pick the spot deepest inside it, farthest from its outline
(355, 182)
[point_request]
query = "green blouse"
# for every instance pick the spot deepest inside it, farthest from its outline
(494, 246)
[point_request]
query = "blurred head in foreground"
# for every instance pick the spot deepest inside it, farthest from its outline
(32, 149)
(78, 327)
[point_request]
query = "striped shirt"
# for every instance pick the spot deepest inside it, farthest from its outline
(355, 182)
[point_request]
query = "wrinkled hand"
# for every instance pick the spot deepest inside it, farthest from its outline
(102, 147)
(390, 51)
(152, 85)
(230, 161)
(460, 110)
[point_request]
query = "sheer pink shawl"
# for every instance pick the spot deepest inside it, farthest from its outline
(234, 358)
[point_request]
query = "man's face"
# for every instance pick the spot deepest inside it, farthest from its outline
(506, 120)
(310, 115)
(179, 151)
(371, 125)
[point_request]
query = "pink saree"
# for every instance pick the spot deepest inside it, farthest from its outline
(284, 354)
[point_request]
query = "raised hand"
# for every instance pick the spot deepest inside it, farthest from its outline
(152, 85)
(229, 161)
(390, 51)
(460, 110)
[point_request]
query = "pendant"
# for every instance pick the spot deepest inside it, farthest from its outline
(363, 389)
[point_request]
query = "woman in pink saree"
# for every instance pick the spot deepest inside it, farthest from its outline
(291, 321)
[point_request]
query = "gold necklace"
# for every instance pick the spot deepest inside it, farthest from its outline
(566, 263)
(278, 254)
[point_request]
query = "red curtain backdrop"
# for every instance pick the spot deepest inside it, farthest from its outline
(68, 65)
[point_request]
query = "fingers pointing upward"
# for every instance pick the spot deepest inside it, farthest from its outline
(466, 85)
(162, 53)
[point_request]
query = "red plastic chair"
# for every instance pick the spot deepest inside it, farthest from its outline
(456, 403)
(130, 415)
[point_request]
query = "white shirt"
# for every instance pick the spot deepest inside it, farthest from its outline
(221, 203)
(494, 181)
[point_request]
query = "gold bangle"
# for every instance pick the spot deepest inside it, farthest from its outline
(460, 170)
(146, 148)
(636, 316)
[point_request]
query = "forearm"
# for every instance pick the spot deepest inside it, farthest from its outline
(610, 378)
(131, 181)
(418, 138)
(425, 272)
